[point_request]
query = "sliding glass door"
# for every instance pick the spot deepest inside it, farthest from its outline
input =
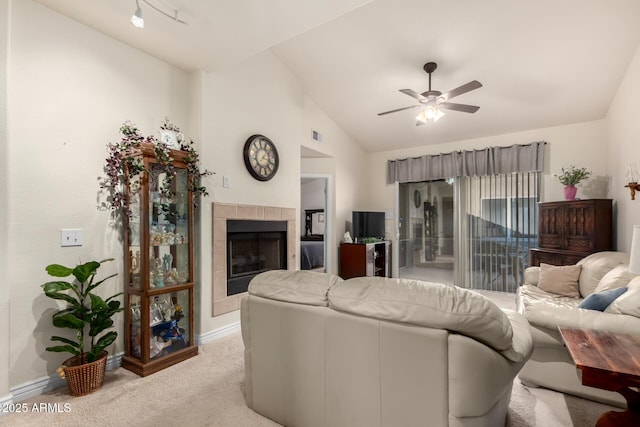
(426, 231)
(474, 232)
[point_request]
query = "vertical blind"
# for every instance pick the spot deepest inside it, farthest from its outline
(497, 225)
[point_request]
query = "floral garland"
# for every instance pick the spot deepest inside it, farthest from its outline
(122, 161)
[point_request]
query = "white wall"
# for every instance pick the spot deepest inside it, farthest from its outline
(623, 147)
(5, 330)
(347, 162)
(70, 89)
(256, 96)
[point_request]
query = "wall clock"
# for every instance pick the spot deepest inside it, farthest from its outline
(261, 157)
(417, 199)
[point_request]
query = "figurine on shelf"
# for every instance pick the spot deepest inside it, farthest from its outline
(165, 306)
(172, 277)
(135, 262)
(135, 269)
(177, 313)
(167, 261)
(157, 274)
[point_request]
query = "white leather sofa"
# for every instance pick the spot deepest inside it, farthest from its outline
(320, 351)
(550, 364)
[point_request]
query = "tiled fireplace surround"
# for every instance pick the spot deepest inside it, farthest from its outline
(221, 213)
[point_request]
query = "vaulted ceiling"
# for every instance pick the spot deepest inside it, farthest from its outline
(542, 63)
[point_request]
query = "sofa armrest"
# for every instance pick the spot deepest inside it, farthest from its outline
(531, 276)
(522, 341)
(551, 317)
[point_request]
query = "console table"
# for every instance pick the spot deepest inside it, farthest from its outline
(610, 362)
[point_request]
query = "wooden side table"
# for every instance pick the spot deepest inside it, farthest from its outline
(611, 362)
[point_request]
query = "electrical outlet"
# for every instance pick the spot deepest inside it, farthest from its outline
(70, 237)
(226, 181)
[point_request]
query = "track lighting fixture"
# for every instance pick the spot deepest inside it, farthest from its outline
(136, 18)
(138, 21)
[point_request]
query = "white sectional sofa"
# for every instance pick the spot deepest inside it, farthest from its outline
(550, 364)
(320, 351)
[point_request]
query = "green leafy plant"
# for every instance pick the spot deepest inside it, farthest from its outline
(573, 175)
(86, 312)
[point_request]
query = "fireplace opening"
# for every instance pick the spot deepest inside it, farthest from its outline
(252, 248)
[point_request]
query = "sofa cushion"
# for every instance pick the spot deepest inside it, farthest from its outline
(595, 266)
(548, 311)
(428, 304)
(304, 287)
(531, 294)
(629, 302)
(600, 300)
(618, 277)
(560, 279)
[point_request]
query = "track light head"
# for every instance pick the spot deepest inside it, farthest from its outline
(136, 18)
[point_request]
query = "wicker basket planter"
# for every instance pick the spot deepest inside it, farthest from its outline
(84, 378)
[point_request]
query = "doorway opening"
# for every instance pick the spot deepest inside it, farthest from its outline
(316, 223)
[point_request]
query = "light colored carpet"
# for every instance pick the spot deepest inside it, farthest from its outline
(207, 390)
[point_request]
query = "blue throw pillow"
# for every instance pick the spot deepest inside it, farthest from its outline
(601, 300)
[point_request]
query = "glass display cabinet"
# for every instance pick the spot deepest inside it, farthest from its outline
(159, 262)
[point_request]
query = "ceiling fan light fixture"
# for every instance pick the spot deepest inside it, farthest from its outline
(136, 19)
(429, 114)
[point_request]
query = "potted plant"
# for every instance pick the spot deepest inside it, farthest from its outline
(89, 315)
(570, 177)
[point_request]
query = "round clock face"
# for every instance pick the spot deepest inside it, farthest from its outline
(261, 157)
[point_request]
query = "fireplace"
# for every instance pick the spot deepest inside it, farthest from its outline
(252, 248)
(225, 300)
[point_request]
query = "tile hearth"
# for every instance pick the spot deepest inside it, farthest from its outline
(221, 212)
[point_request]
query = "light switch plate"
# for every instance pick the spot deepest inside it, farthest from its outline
(70, 237)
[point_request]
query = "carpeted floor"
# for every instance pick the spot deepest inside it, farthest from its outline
(207, 390)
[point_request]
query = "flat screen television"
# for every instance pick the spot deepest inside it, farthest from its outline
(368, 224)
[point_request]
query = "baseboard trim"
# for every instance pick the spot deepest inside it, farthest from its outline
(5, 402)
(46, 384)
(218, 333)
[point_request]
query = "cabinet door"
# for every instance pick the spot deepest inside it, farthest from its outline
(580, 221)
(551, 226)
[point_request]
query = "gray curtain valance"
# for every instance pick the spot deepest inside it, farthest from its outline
(487, 161)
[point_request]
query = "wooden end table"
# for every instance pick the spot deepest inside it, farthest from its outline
(611, 362)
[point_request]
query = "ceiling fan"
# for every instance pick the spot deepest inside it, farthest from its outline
(433, 101)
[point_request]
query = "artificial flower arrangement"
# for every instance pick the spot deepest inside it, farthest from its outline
(573, 175)
(122, 163)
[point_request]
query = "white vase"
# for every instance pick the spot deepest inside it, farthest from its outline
(171, 138)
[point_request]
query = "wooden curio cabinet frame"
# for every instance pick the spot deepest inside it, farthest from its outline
(159, 268)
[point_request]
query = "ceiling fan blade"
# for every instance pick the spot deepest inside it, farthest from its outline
(459, 107)
(413, 94)
(398, 109)
(461, 89)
